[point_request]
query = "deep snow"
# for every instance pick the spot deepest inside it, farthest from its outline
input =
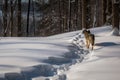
(27, 58)
(103, 63)
(60, 57)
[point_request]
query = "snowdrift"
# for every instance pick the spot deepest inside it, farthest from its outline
(44, 57)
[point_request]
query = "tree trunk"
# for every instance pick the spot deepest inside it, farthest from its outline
(115, 18)
(19, 19)
(5, 9)
(84, 18)
(11, 23)
(79, 21)
(65, 13)
(60, 18)
(69, 15)
(27, 30)
(103, 15)
(34, 26)
(109, 12)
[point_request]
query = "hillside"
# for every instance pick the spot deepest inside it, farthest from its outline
(59, 57)
(103, 62)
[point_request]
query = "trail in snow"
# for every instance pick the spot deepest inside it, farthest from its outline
(103, 63)
(58, 57)
(39, 58)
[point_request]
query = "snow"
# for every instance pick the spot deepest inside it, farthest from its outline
(61, 57)
(103, 62)
(115, 32)
(34, 57)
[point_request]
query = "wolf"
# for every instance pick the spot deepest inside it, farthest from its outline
(90, 38)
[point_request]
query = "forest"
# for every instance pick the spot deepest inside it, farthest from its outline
(33, 18)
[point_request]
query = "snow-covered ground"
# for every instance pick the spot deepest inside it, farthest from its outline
(58, 57)
(27, 58)
(103, 63)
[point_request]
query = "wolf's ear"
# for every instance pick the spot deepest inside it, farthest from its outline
(88, 31)
(84, 31)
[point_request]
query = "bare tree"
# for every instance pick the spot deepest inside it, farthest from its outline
(103, 12)
(84, 19)
(11, 17)
(5, 10)
(109, 12)
(60, 16)
(33, 11)
(69, 15)
(115, 11)
(79, 20)
(27, 30)
(19, 18)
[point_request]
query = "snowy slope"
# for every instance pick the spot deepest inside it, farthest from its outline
(60, 57)
(103, 63)
(27, 58)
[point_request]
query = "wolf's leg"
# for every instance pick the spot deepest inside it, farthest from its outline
(92, 47)
(87, 43)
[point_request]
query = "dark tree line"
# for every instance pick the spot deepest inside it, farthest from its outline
(48, 17)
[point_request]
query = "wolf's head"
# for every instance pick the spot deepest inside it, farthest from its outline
(86, 31)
